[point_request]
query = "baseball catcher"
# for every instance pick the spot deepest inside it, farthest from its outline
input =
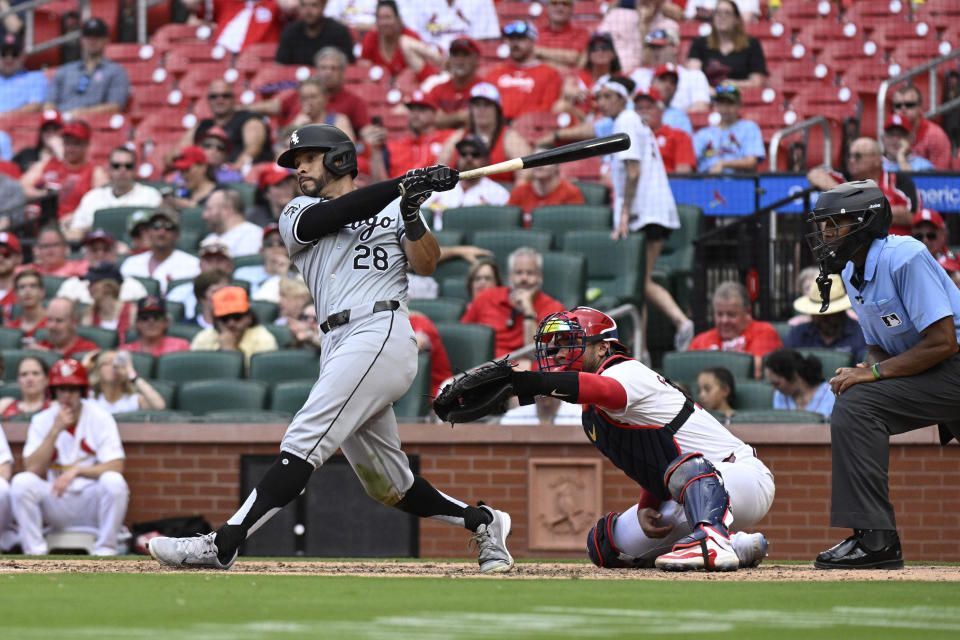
(696, 478)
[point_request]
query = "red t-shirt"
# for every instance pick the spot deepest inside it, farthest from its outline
(6, 304)
(759, 338)
(492, 307)
(415, 152)
(343, 101)
(72, 183)
(933, 144)
(450, 98)
(370, 50)
(676, 147)
(169, 344)
(527, 199)
(262, 23)
(439, 360)
(17, 323)
(570, 37)
(526, 89)
(10, 169)
(949, 261)
(896, 197)
(80, 345)
(68, 269)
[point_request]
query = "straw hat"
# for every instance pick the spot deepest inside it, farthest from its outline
(811, 303)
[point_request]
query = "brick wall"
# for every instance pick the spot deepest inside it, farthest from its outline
(186, 469)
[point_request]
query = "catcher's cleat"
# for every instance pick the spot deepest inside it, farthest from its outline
(705, 548)
(491, 540)
(751, 548)
(198, 551)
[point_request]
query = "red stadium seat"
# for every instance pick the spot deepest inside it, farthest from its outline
(510, 11)
(127, 52)
(534, 126)
(142, 72)
(170, 36)
(189, 54)
(274, 74)
(194, 83)
(255, 57)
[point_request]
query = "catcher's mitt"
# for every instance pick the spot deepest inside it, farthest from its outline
(476, 394)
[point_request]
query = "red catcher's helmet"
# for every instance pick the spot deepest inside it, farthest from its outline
(68, 373)
(575, 329)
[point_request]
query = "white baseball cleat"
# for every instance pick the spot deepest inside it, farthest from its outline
(712, 552)
(198, 551)
(751, 548)
(491, 540)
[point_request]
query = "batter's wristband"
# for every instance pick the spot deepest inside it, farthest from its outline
(415, 228)
(876, 372)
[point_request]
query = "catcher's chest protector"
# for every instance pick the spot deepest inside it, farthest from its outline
(642, 452)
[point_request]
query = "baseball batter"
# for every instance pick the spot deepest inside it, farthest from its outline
(352, 246)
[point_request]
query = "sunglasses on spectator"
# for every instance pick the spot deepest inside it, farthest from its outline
(515, 29)
(905, 105)
(472, 154)
(214, 145)
(232, 317)
(166, 226)
(122, 165)
(150, 317)
(273, 242)
(930, 235)
(214, 96)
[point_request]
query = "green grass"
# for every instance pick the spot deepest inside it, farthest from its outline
(205, 606)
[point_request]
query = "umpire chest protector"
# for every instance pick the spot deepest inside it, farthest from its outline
(643, 452)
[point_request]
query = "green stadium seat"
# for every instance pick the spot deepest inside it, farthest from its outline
(562, 218)
(503, 243)
(452, 268)
(439, 309)
(175, 311)
(783, 329)
(683, 366)
(173, 284)
(10, 338)
(153, 415)
(266, 311)
(151, 285)
(615, 267)
(187, 366)
(189, 240)
(288, 397)
(103, 338)
(144, 363)
(415, 403)
(247, 261)
(283, 365)
(448, 237)
(12, 358)
(467, 344)
(51, 284)
(10, 390)
(248, 415)
(281, 333)
(243, 284)
(202, 396)
(594, 193)
(481, 218)
(753, 394)
(678, 251)
(565, 277)
(755, 416)
(186, 331)
(453, 287)
(246, 190)
(114, 220)
(830, 359)
(167, 390)
(192, 220)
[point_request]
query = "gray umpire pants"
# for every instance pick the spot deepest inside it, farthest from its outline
(864, 417)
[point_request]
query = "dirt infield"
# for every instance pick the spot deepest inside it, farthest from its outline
(525, 570)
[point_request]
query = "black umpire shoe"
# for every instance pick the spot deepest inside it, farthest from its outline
(865, 549)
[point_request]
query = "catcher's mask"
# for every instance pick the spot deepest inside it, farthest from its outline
(572, 331)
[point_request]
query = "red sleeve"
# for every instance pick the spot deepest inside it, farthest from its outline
(368, 47)
(685, 153)
(601, 390)
(764, 339)
(439, 360)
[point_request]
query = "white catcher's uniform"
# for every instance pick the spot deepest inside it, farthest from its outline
(367, 363)
(99, 503)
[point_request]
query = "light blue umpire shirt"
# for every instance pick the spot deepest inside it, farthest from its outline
(905, 290)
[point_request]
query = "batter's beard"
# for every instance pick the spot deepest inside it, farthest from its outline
(310, 187)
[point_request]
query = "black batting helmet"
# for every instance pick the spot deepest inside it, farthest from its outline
(340, 154)
(863, 204)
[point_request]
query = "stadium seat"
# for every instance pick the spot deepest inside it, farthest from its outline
(503, 243)
(415, 403)
(10, 390)
(144, 363)
(186, 366)
(246, 191)
(773, 416)
(453, 268)
(439, 309)
(12, 358)
(151, 285)
(482, 218)
(446, 237)
(783, 329)
(683, 366)
(561, 218)
(455, 287)
(255, 56)
(533, 125)
(830, 359)
(290, 396)
(51, 284)
(154, 415)
(266, 311)
(10, 338)
(565, 277)
(247, 261)
(753, 394)
(593, 193)
(467, 345)
(103, 338)
(174, 310)
(166, 389)
(247, 415)
(615, 267)
(286, 364)
(281, 333)
(202, 396)
(192, 220)
(186, 331)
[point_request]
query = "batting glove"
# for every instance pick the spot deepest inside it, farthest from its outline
(440, 177)
(414, 191)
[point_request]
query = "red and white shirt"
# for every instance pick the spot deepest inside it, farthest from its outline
(242, 23)
(526, 89)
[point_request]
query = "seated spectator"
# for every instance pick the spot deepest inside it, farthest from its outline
(63, 317)
(544, 410)
(276, 187)
(71, 177)
(561, 41)
(629, 22)
(717, 392)
(799, 382)
(305, 329)
(929, 228)
(440, 22)
(394, 157)
(49, 142)
(315, 110)
(833, 329)
(122, 191)
(600, 60)
(196, 180)
(736, 144)
(897, 155)
(50, 255)
(10, 258)
(666, 80)
(734, 327)
(426, 287)
(524, 85)
(728, 55)
(32, 382)
(99, 247)
(428, 339)
(514, 312)
(930, 141)
(223, 214)
(137, 228)
(488, 123)
(688, 89)
(28, 285)
(116, 387)
(214, 254)
(482, 274)
(676, 147)
(301, 39)
(394, 47)
(472, 153)
(703, 10)
(236, 327)
(73, 465)
(163, 262)
(546, 187)
(865, 162)
(359, 15)
(276, 264)
(107, 310)
(92, 84)
(453, 96)
(240, 24)
(216, 144)
(152, 324)
(294, 294)
(204, 286)
(21, 91)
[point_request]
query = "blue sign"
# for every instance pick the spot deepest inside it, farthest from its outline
(774, 188)
(717, 196)
(940, 191)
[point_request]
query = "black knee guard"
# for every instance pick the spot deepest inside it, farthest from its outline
(601, 549)
(695, 483)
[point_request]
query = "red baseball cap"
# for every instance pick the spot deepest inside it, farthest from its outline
(897, 120)
(11, 241)
(667, 68)
(99, 235)
(190, 156)
(77, 129)
(650, 92)
(928, 215)
(215, 132)
(464, 43)
(419, 97)
(273, 175)
(272, 228)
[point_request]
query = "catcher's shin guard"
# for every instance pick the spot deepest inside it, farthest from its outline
(601, 549)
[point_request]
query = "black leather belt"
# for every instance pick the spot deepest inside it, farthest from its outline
(341, 318)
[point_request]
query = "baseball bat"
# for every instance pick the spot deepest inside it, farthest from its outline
(567, 153)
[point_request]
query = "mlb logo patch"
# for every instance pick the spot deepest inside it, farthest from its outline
(892, 320)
